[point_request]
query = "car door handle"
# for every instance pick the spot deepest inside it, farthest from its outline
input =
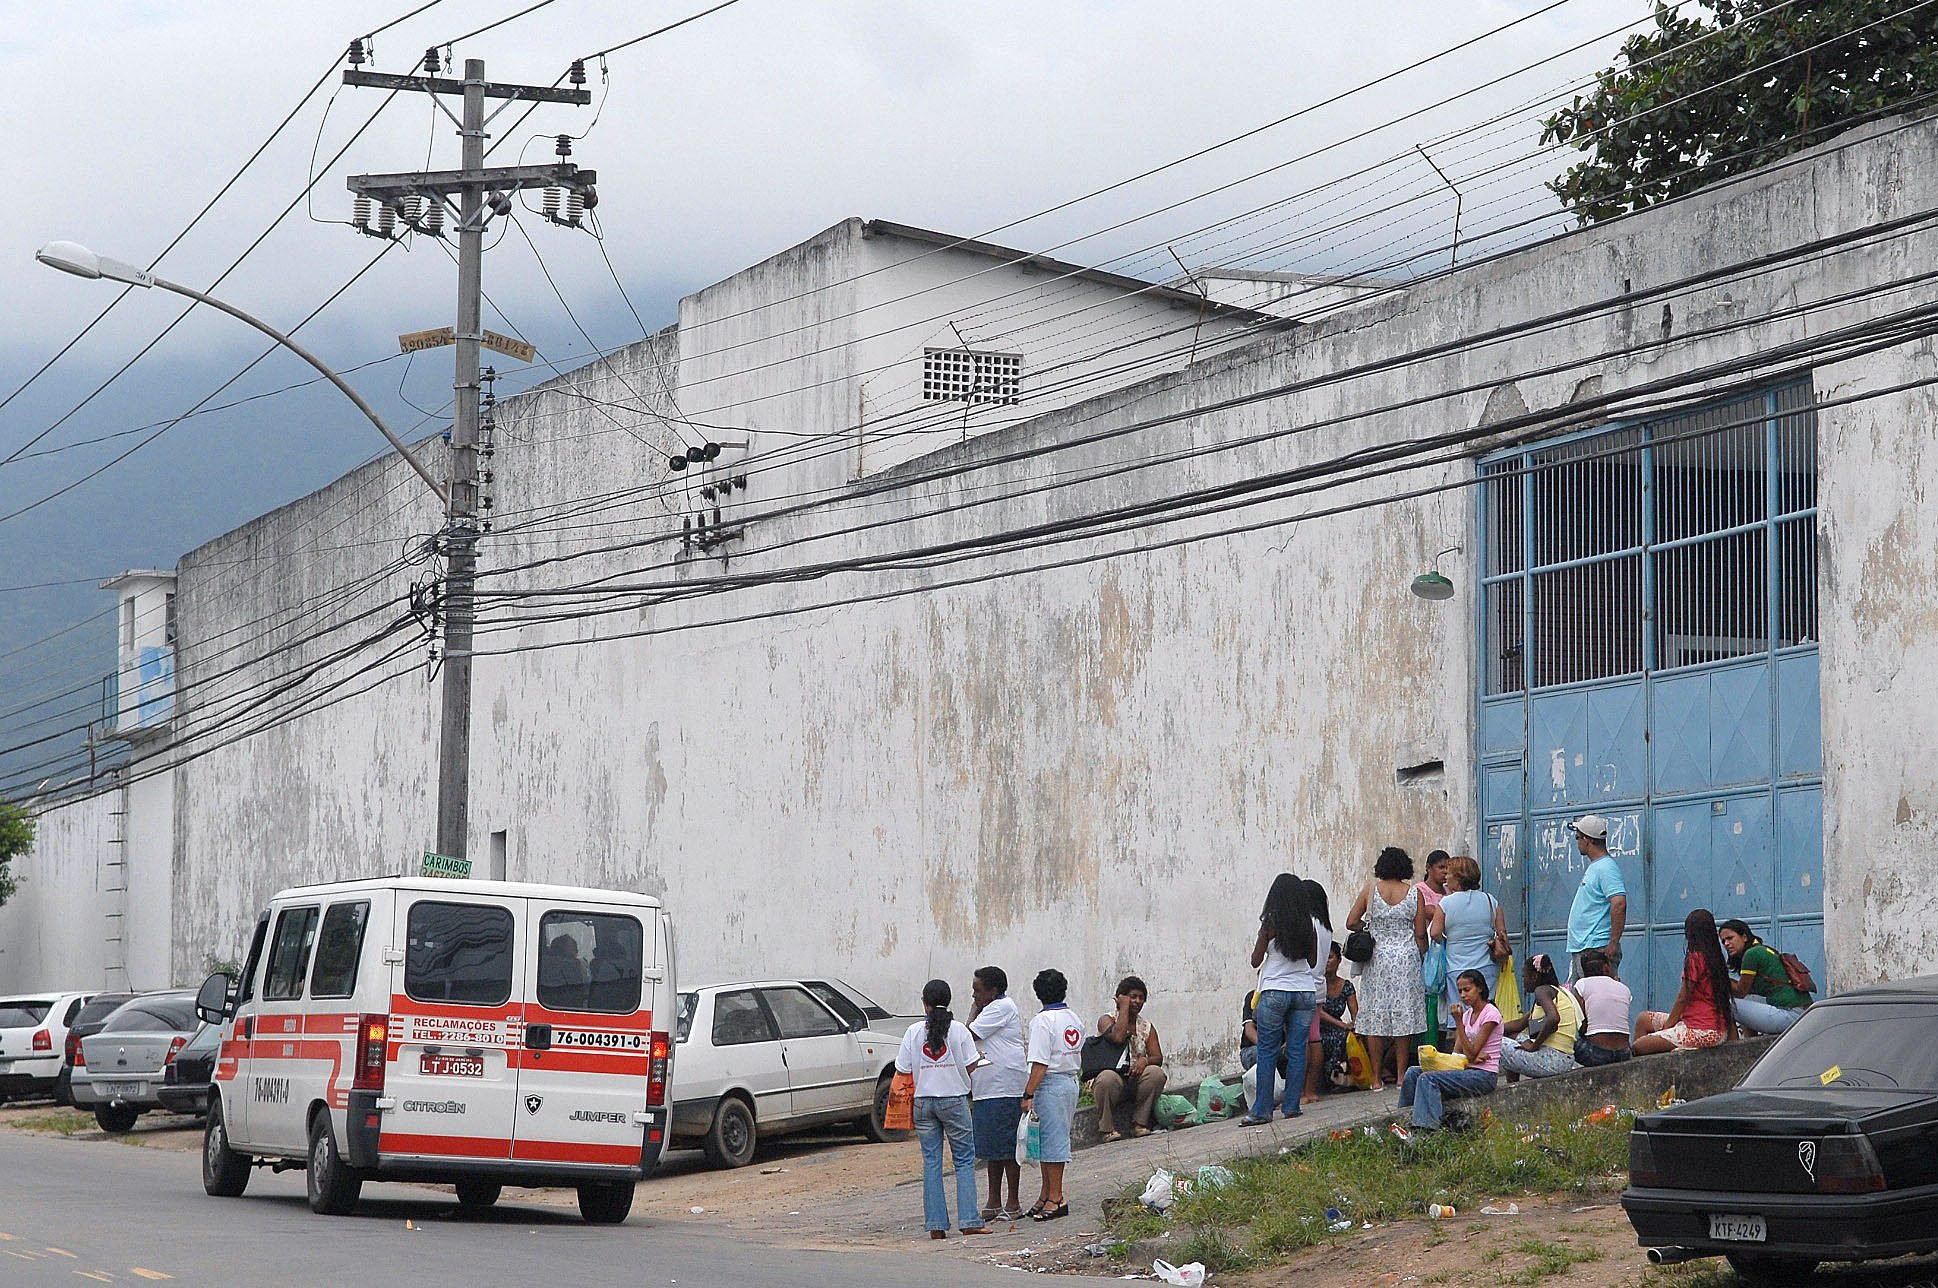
(538, 1037)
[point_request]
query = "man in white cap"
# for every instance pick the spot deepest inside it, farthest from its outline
(1600, 910)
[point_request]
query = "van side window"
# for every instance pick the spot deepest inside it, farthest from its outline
(458, 952)
(589, 961)
(739, 1018)
(289, 957)
(248, 990)
(337, 949)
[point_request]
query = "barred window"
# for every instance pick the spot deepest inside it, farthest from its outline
(966, 375)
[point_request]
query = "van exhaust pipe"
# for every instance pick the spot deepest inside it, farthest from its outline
(1673, 1256)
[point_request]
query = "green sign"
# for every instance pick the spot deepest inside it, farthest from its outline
(443, 865)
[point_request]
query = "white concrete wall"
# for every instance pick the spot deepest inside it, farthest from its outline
(53, 932)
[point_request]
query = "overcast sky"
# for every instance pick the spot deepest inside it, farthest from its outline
(717, 145)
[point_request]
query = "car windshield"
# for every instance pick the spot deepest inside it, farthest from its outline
(683, 1023)
(873, 1009)
(18, 1013)
(153, 1015)
(1881, 1045)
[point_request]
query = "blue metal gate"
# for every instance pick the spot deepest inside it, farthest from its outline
(1648, 652)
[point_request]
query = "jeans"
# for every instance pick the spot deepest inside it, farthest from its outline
(1759, 1016)
(935, 1115)
(1425, 1092)
(1284, 1019)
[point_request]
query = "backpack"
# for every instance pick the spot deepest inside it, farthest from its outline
(1799, 973)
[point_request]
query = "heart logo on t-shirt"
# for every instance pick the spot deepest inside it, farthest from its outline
(1073, 1036)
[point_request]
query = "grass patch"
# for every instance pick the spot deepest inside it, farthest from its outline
(1276, 1206)
(63, 1122)
(1546, 1260)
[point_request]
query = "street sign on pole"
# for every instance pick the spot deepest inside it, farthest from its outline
(446, 866)
(418, 341)
(509, 347)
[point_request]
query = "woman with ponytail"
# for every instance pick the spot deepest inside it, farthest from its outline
(1702, 1015)
(940, 1052)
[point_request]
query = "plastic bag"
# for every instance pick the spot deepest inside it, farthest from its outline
(1176, 1111)
(1189, 1275)
(1213, 1177)
(1433, 967)
(1215, 1100)
(1160, 1192)
(1359, 1065)
(1507, 993)
(1029, 1141)
(1433, 1060)
(899, 1113)
(1250, 1084)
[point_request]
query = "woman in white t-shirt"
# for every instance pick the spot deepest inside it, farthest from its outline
(941, 1053)
(1055, 1055)
(997, 1089)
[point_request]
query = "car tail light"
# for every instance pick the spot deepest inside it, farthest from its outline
(662, 1060)
(373, 1040)
(1847, 1165)
(76, 1056)
(43, 1040)
(175, 1049)
(1642, 1169)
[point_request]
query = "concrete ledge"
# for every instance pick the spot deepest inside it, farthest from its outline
(1694, 1074)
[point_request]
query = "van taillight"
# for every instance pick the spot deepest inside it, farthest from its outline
(373, 1037)
(74, 1055)
(175, 1049)
(43, 1040)
(656, 1072)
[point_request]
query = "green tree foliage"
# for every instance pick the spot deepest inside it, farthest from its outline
(1708, 95)
(16, 837)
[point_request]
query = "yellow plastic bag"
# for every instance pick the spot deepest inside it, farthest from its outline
(1433, 1060)
(1359, 1065)
(1507, 994)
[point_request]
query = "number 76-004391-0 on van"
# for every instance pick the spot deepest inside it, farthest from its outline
(480, 1033)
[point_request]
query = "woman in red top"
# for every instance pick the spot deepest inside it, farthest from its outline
(1702, 1015)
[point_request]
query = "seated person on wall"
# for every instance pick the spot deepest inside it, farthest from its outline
(1766, 1000)
(1248, 1044)
(1140, 1071)
(1550, 1029)
(1605, 1004)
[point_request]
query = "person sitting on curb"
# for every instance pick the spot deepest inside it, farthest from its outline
(1766, 1000)
(1605, 1003)
(1141, 1068)
(1547, 1046)
(1702, 1015)
(1248, 1034)
(1477, 1036)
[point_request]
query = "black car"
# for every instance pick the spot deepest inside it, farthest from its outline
(1826, 1151)
(185, 1082)
(87, 1022)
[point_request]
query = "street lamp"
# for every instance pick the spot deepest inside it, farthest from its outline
(454, 745)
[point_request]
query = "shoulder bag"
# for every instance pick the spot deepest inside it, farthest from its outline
(1497, 946)
(1359, 943)
(1099, 1053)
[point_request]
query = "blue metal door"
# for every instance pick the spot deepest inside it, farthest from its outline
(1648, 652)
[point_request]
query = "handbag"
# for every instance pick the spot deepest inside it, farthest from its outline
(899, 1113)
(1497, 946)
(1359, 947)
(1099, 1053)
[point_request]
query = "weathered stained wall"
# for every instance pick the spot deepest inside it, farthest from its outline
(53, 932)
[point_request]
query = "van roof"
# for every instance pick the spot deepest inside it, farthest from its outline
(506, 889)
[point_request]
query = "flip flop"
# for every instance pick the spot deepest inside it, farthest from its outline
(1053, 1214)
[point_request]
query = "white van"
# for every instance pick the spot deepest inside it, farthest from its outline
(481, 1033)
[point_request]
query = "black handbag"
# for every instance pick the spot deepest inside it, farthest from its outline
(1359, 947)
(1099, 1053)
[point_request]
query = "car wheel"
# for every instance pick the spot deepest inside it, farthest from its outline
(871, 1126)
(1770, 1272)
(607, 1203)
(730, 1141)
(225, 1173)
(333, 1184)
(478, 1195)
(116, 1118)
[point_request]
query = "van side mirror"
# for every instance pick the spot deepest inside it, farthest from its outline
(215, 1000)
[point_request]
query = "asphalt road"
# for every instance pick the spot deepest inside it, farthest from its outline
(79, 1212)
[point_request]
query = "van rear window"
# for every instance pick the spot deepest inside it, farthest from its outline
(458, 952)
(589, 961)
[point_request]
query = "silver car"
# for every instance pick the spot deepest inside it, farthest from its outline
(125, 1061)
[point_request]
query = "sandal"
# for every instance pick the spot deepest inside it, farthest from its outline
(1053, 1214)
(1110, 1137)
(993, 1214)
(1249, 1121)
(938, 1234)
(975, 1229)
(1140, 1131)
(1034, 1214)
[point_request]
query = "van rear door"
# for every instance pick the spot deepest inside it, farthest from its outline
(587, 1045)
(456, 1016)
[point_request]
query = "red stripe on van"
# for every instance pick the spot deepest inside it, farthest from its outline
(558, 1151)
(392, 1142)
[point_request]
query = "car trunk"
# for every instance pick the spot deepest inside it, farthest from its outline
(112, 1055)
(16, 1038)
(1767, 1142)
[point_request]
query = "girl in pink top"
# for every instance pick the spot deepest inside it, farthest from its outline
(1477, 1027)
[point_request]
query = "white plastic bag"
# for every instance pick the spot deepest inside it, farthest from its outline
(1189, 1275)
(1029, 1141)
(1251, 1091)
(1160, 1192)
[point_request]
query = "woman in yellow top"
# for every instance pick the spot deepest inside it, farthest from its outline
(1549, 1029)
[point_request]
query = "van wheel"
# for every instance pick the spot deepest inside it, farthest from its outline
(116, 1118)
(333, 1184)
(871, 1126)
(1770, 1272)
(607, 1203)
(478, 1195)
(730, 1141)
(225, 1173)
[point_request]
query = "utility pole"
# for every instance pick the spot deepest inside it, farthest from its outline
(476, 194)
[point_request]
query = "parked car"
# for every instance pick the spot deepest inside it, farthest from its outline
(768, 1057)
(1826, 1151)
(88, 1020)
(851, 1004)
(122, 1065)
(185, 1082)
(33, 1030)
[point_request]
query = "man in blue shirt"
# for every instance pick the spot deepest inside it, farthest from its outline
(1600, 910)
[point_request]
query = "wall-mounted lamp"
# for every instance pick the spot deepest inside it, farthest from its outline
(1432, 585)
